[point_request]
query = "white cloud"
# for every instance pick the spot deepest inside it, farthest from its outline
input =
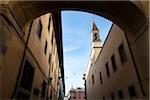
(71, 48)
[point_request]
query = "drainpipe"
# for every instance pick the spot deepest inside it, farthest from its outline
(135, 66)
(21, 66)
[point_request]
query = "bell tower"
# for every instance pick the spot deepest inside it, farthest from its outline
(96, 42)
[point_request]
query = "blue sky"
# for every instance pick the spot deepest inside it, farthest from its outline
(76, 29)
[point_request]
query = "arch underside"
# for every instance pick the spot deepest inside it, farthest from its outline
(123, 13)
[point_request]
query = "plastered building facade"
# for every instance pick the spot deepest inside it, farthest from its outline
(31, 65)
(77, 94)
(112, 74)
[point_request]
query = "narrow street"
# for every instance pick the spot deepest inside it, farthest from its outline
(74, 50)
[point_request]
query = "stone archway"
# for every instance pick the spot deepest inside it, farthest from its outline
(122, 13)
(128, 15)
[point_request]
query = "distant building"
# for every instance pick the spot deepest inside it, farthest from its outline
(111, 72)
(65, 98)
(32, 65)
(77, 94)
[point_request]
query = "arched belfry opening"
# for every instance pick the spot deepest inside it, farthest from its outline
(17, 16)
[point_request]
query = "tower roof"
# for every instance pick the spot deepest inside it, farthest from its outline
(94, 27)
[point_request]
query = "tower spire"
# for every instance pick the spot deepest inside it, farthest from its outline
(96, 42)
(95, 32)
(94, 27)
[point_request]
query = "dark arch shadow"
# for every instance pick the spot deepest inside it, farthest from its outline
(123, 13)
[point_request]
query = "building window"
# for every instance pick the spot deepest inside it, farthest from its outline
(120, 94)
(26, 81)
(100, 77)
(43, 89)
(45, 47)
(114, 66)
(132, 91)
(27, 76)
(39, 29)
(107, 70)
(49, 59)
(49, 24)
(52, 40)
(93, 79)
(54, 50)
(122, 54)
(103, 97)
(112, 96)
(52, 67)
(51, 95)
